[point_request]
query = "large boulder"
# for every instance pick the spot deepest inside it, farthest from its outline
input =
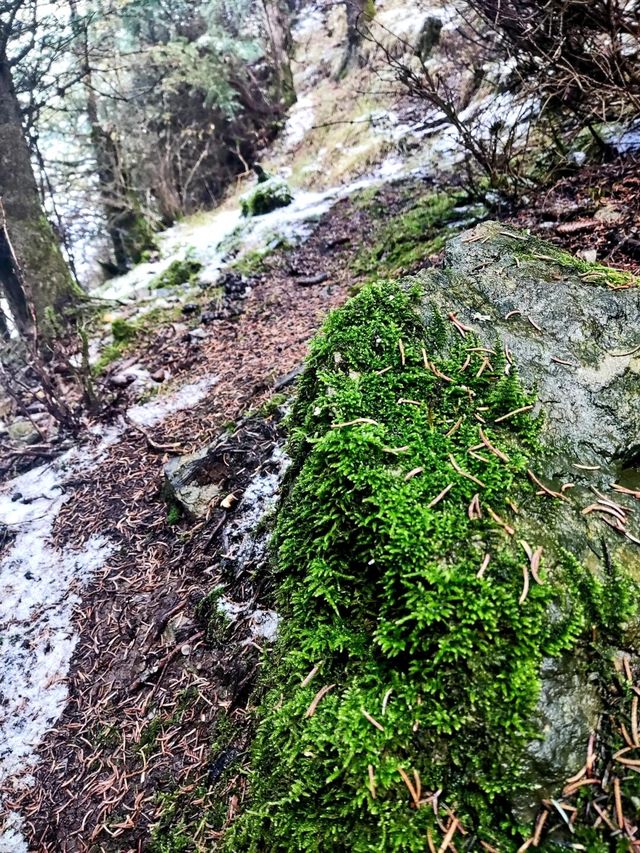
(456, 551)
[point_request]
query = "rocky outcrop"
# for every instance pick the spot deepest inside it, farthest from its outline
(457, 551)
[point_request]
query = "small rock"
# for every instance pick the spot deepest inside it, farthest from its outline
(34, 408)
(121, 380)
(190, 308)
(159, 375)
(608, 214)
(589, 255)
(198, 334)
(208, 317)
(23, 431)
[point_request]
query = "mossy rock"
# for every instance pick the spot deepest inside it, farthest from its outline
(266, 196)
(426, 654)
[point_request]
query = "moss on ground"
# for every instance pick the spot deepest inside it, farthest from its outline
(400, 243)
(401, 669)
(179, 272)
(266, 196)
(127, 333)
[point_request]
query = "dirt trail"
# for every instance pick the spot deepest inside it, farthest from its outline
(146, 684)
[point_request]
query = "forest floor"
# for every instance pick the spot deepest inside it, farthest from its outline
(131, 762)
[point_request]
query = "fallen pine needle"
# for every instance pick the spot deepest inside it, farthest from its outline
(462, 473)
(413, 473)
(514, 412)
(372, 720)
(354, 422)
(494, 450)
(385, 700)
(525, 585)
(623, 354)
(439, 497)
(545, 489)
(415, 796)
(446, 841)
(372, 782)
(455, 427)
(618, 801)
(310, 675)
(483, 567)
(318, 698)
(506, 527)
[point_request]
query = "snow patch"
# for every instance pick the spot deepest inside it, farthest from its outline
(299, 122)
(39, 588)
(150, 414)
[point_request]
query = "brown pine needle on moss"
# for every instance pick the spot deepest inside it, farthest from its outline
(483, 567)
(465, 474)
(455, 427)
(440, 496)
(317, 699)
(311, 675)
(506, 527)
(355, 422)
(513, 413)
(413, 473)
(492, 448)
(372, 720)
(372, 782)
(415, 796)
(525, 585)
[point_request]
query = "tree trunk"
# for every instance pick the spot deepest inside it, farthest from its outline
(127, 232)
(279, 34)
(33, 273)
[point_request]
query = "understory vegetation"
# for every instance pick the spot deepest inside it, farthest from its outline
(401, 242)
(406, 673)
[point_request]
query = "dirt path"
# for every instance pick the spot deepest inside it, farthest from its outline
(147, 683)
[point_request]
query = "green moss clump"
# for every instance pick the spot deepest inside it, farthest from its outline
(427, 669)
(593, 273)
(177, 273)
(403, 241)
(266, 196)
(123, 331)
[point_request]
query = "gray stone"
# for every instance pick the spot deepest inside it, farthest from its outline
(23, 431)
(568, 713)
(591, 404)
(181, 476)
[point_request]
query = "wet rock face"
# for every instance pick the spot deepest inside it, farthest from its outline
(568, 713)
(570, 334)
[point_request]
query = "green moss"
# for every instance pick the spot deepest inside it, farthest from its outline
(174, 514)
(593, 273)
(379, 591)
(178, 272)
(212, 616)
(403, 241)
(266, 196)
(127, 333)
(123, 331)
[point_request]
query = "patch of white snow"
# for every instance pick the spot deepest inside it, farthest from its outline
(151, 413)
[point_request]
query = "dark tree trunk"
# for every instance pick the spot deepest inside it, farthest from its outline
(33, 273)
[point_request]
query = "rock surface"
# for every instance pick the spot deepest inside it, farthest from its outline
(565, 330)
